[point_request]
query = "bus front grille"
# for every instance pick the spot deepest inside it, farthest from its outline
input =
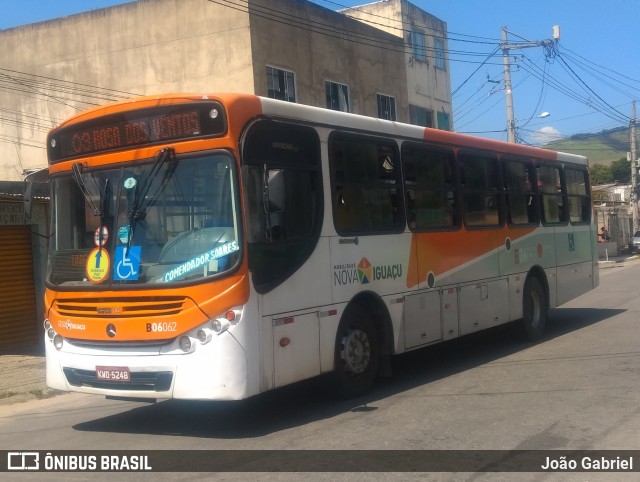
(140, 381)
(116, 307)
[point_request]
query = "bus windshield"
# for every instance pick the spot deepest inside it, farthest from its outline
(168, 220)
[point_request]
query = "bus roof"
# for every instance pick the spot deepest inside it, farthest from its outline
(350, 121)
(330, 118)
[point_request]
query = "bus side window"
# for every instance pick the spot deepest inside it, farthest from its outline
(480, 179)
(430, 184)
(522, 204)
(579, 199)
(365, 174)
(550, 188)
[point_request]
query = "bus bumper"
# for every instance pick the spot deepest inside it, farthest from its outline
(213, 371)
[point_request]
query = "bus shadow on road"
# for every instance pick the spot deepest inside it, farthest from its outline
(311, 401)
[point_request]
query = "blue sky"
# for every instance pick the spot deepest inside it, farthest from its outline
(589, 87)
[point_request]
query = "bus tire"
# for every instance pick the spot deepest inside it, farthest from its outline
(534, 309)
(357, 353)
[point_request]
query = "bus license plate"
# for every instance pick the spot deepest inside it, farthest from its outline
(114, 374)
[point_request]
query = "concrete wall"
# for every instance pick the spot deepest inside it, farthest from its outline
(427, 86)
(322, 45)
(51, 70)
(145, 47)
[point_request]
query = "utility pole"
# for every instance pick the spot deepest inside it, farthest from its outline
(506, 46)
(634, 168)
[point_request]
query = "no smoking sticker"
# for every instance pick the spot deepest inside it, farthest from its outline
(101, 236)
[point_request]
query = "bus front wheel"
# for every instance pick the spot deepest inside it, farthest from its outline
(357, 353)
(534, 309)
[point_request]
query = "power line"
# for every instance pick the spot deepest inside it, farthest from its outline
(474, 72)
(20, 142)
(624, 117)
(30, 116)
(33, 82)
(481, 114)
(492, 106)
(458, 109)
(562, 87)
(485, 40)
(600, 66)
(597, 74)
(54, 98)
(288, 19)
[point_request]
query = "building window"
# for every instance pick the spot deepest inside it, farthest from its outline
(419, 116)
(444, 122)
(337, 96)
(281, 84)
(439, 50)
(386, 107)
(417, 44)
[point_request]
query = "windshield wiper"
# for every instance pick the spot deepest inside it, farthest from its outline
(105, 202)
(139, 202)
(77, 172)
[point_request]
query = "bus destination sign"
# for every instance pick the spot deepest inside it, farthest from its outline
(137, 128)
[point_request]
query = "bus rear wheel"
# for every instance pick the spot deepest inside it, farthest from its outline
(534, 309)
(357, 354)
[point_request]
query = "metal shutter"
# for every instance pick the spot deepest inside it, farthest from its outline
(18, 325)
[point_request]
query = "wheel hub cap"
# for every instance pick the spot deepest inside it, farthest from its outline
(356, 352)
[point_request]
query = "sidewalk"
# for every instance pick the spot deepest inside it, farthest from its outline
(22, 377)
(616, 261)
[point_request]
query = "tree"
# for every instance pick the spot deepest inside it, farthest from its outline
(621, 171)
(600, 174)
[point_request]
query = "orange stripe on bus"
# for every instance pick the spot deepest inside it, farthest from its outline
(441, 252)
(464, 141)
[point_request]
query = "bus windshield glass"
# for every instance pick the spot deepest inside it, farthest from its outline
(169, 220)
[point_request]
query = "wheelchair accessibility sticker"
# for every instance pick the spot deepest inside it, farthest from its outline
(126, 265)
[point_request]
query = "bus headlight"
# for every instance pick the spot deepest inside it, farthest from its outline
(220, 325)
(57, 341)
(204, 335)
(48, 329)
(185, 344)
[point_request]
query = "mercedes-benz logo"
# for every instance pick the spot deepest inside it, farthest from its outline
(111, 330)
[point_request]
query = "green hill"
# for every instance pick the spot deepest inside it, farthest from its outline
(600, 148)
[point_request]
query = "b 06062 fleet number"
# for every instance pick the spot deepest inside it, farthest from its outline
(161, 327)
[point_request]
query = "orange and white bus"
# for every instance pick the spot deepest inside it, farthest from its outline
(219, 246)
